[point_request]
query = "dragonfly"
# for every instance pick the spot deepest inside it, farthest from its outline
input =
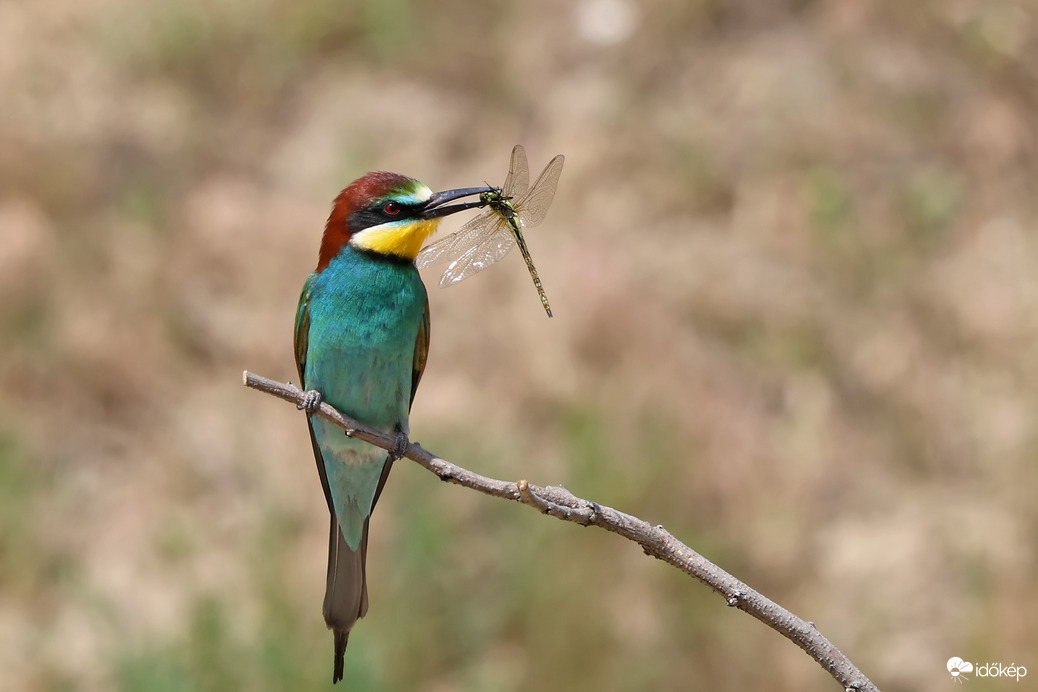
(489, 236)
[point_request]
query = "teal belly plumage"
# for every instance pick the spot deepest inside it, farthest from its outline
(365, 313)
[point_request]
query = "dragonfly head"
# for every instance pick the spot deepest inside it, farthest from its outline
(492, 196)
(389, 214)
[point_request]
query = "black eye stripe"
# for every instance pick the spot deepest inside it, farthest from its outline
(376, 214)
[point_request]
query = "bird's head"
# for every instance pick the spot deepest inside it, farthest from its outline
(389, 214)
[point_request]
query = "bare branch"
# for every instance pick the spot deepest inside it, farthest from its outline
(654, 540)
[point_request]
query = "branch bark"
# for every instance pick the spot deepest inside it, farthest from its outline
(654, 540)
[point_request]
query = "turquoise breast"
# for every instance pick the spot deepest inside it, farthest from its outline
(365, 314)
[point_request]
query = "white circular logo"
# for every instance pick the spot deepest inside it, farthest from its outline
(957, 667)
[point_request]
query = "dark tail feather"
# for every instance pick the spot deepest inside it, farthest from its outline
(346, 594)
(341, 637)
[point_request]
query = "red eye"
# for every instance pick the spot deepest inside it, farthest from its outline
(391, 208)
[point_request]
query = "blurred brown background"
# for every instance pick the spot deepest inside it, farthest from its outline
(793, 267)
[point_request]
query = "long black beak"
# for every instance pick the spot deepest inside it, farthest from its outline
(434, 206)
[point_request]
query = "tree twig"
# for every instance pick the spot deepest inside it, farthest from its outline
(654, 540)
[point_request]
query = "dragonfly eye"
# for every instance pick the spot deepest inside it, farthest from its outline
(494, 196)
(391, 208)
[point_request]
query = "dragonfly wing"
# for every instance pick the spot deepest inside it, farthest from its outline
(517, 182)
(479, 256)
(433, 252)
(452, 246)
(487, 238)
(534, 206)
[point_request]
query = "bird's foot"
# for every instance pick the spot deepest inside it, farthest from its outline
(400, 445)
(311, 401)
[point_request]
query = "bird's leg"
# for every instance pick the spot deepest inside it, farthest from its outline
(311, 401)
(400, 446)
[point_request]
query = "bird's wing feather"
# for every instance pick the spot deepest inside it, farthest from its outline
(301, 343)
(302, 332)
(421, 350)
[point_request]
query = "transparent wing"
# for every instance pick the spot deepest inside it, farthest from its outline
(534, 206)
(517, 182)
(453, 245)
(480, 256)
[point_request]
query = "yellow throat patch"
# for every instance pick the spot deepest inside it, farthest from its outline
(400, 238)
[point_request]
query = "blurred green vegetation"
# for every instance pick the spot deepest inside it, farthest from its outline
(794, 269)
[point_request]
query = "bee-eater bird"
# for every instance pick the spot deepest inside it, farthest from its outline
(361, 341)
